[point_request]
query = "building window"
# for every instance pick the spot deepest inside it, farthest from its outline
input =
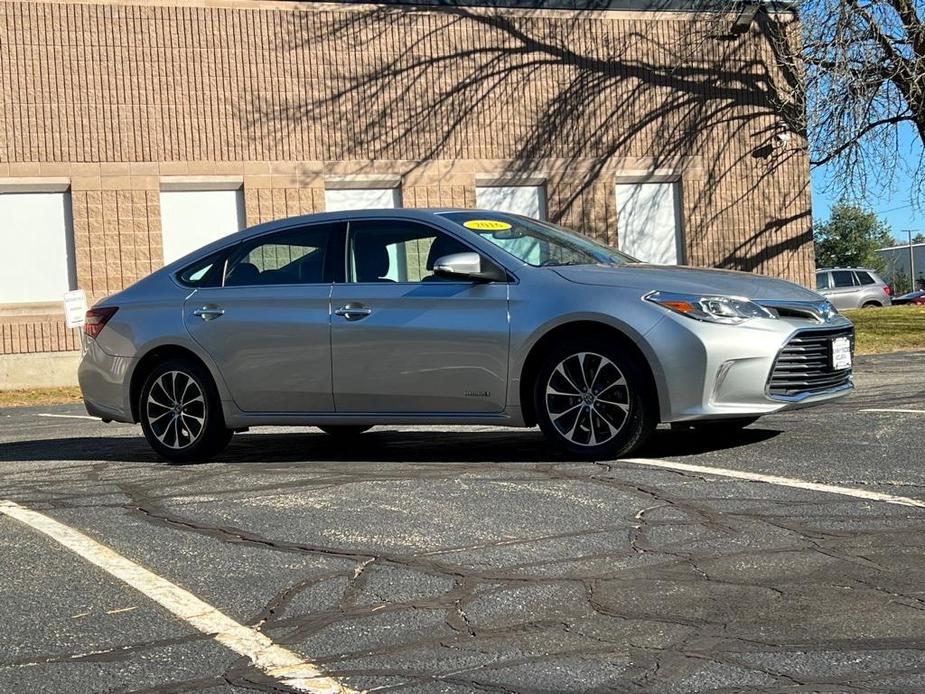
(337, 199)
(529, 201)
(648, 221)
(190, 219)
(38, 238)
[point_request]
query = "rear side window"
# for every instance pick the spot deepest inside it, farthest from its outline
(822, 280)
(293, 256)
(864, 278)
(842, 278)
(206, 272)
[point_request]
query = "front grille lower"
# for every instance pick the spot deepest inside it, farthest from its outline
(804, 366)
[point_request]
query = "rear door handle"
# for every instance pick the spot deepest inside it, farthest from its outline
(353, 311)
(209, 312)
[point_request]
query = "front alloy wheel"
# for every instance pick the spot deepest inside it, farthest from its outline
(180, 412)
(593, 400)
(587, 399)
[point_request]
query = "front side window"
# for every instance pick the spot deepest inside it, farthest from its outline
(397, 251)
(538, 243)
(293, 256)
(842, 278)
(822, 280)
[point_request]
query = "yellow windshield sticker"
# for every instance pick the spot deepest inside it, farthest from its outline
(486, 225)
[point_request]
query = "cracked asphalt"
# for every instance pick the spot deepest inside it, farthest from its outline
(446, 560)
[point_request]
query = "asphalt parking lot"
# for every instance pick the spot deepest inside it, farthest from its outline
(428, 560)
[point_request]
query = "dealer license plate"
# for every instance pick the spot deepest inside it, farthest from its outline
(841, 353)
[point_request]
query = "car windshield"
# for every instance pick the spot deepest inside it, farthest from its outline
(538, 243)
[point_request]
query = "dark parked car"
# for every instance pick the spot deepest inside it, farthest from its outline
(917, 298)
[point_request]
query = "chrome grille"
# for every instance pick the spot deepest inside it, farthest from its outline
(804, 365)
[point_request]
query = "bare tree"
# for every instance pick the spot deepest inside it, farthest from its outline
(862, 76)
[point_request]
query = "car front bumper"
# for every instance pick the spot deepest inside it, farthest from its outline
(711, 371)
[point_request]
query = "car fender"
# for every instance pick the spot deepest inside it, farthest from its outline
(523, 342)
(186, 342)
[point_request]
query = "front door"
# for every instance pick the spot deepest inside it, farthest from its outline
(407, 341)
(268, 327)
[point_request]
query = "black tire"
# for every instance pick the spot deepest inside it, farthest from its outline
(716, 426)
(345, 429)
(169, 394)
(872, 304)
(630, 408)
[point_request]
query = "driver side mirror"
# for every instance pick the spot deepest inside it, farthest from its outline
(469, 266)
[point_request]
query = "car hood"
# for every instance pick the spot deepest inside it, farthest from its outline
(688, 280)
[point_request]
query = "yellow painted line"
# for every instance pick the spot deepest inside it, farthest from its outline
(277, 662)
(779, 481)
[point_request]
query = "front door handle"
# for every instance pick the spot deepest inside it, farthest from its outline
(353, 311)
(209, 312)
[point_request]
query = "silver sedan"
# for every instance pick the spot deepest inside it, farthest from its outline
(348, 320)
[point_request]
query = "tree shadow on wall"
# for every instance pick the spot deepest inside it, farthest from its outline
(587, 94)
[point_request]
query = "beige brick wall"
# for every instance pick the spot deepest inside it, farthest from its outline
(117, 95)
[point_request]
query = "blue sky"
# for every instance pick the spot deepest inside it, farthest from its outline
(892, 206)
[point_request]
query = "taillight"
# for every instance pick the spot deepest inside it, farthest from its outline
(97, 318)
(886, 289)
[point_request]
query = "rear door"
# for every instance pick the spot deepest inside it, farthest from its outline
(407, 341)
(268, 326)
(843, 292)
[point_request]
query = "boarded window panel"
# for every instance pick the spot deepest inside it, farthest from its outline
(529, 201)
(37, 264)
(191, 219)
(336, 200)
(648, 221)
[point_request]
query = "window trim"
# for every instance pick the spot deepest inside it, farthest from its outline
(435, 228)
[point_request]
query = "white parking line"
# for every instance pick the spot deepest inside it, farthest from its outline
(276, 661)
(895, 410)
(779, 481)
(69, 416)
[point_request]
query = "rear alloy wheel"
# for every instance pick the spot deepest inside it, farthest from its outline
(593, 401)
(181, 414)
(345, 429)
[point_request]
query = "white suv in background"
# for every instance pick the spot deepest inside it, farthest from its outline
(852, 287)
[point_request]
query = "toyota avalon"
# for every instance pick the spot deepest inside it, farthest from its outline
(349, 320)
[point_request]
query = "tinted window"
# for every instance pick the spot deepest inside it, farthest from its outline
(842, 278)
(822, 280)
(203, 273)
(294, 256)
(865, 278)
(397, 251)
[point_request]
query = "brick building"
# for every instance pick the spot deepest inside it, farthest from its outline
(132, 132)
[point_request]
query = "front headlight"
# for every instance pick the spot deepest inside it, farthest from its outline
(730, 310)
